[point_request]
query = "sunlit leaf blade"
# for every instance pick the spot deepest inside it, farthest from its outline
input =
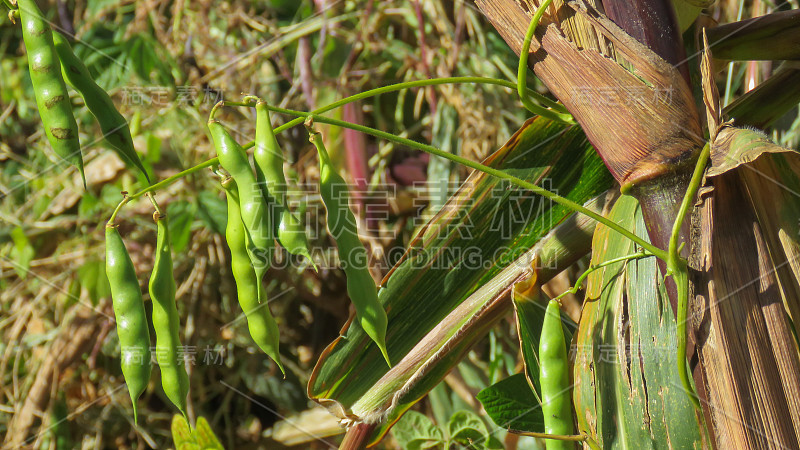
(484, 227)
(627, 391)
(774, 36)
(770, 100)
(181, 432)
(205, 436)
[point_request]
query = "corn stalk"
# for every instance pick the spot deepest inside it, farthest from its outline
(649, 142)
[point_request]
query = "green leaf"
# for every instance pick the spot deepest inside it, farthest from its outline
(444, 137)
(181, 432)
(181, 215)
(92, 277)
(188, 446)
(205, 437)
(625, 359)
(212, 211)
(467, 429)
(416, 431)
(512, 404)
(22, 254)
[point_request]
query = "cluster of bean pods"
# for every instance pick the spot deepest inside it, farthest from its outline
(353, 255)
(132, 325)
(52, 66)
(259, 214)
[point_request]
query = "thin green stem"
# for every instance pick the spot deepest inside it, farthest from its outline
(155, 203)
(9, 5)
(686, 203)
(557, 437)
(169, 180)
(125, 199)
(522, 72)
(573, 290)
(360, 96)
(482, 168)
(679, 270)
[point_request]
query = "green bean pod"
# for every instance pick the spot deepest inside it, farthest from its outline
(268, 160)
(352, 253)
(113, 125)
(134, 336)
(166, 321)
(52, 99)
(254, 210)
(249, 289)
(554, 379)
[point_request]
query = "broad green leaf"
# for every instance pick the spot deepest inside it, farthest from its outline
(512, 404)
(627, 391)
(189, 446)
(446, 295)
(466, 428)
(204, 436)
(417, 431)
(181, 432)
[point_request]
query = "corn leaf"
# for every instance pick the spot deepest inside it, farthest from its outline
(627, 390)
(773, 36)
(451, 289)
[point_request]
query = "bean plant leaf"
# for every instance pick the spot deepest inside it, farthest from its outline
(417, 431)
(468, 430)
(181, 432)
(199, 438)
(511, 403)
(205, 436)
